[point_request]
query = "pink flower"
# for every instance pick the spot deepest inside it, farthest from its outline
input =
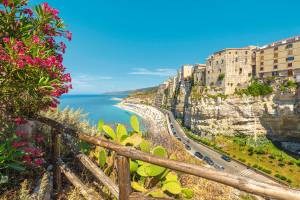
(39, 138)
(36, 39)
(21, 133)
(27, 159)
(69, 35)
(20, 64)
(18, 144)
(28, 11)
(5, 3)
(63, 47)
(38, 162)
(20, 121)
(6, 40)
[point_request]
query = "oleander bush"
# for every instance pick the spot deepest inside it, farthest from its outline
(32, 78)
(32, 75)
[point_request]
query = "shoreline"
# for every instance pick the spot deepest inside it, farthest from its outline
(153, 119)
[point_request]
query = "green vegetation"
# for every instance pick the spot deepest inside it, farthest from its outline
(288, 85)
(221, 77)
(262, 155)
(153, 180)
(215, 96)
(256, 88)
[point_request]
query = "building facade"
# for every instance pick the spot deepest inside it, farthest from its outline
(279, 59)
(199, 74)
(230, 68)
(186, 72)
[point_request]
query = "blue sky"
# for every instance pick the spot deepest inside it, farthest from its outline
(128, 44)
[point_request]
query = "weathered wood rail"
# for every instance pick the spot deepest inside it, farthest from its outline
(124, 192)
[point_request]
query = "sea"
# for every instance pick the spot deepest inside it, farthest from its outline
(98, 107)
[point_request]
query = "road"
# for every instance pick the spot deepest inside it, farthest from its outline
(232, 167)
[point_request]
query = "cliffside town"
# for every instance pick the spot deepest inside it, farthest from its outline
(251, 91)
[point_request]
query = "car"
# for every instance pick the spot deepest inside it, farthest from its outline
(198, 154)
(188, 147)
(226, 158)
(172, 126)
(220, 167)
(179, 138)
(208, 160)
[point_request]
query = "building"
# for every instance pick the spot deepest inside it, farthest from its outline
(199, 74)
(279, 59)
(186, 72)
(229, 68)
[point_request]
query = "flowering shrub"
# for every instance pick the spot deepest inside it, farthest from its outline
(32, 76)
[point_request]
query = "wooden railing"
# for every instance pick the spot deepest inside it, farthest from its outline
(123, 191)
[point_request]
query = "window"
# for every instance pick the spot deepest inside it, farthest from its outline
(261, 75)
(246, 52)
(289, 46)
(290, 72)
(261, 69)
(291, 58)
(262, 51)
(275, 61)
(262, 57)
(290, 64)
(274, 73)
(261, 63)
(208, 72)
(275, 55)
(236, 53)
(249, 74)
(275, 48)
(241, 70)
(236, 59)
(290, 52)
(275, 67)
(217, 62)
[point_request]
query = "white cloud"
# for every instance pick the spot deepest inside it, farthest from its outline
(155, 72)
(89, 83)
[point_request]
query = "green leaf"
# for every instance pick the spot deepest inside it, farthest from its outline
(145, 146)
(134, 140)
(158, 193)
(100, 125)
(102, 158)
(121, 132)
(142, 171)
(16, 166)
(133, 166)
(187, 193)
(135, 123)
(109, 131)
(172, 176)
(159, 151)
(173, 187)
(136, 186)
(154, 170)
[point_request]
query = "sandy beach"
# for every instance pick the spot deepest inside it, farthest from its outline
(154, 120)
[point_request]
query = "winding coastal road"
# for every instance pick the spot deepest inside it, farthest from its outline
(232, 167)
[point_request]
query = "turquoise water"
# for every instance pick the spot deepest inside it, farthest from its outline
(98, 107)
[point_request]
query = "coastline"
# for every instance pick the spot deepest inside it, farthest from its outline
(153, 119)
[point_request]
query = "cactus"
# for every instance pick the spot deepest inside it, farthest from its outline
(153, 180)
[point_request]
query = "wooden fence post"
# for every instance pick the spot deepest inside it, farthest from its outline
(124, 177)
(56, 140)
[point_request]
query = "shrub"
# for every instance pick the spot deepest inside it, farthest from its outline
(221, 77)
(255, 166)
(31, 58)
(281, 164)
(256, 89)
(242, 160)
(271, 156)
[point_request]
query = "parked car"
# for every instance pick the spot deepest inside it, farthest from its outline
(224, 157)
(188, 147)
(220, 167)
(208, 160)
(198, 154)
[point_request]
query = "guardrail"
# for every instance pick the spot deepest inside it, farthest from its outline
(123, 191)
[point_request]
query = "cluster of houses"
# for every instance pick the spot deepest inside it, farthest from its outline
(233, 68)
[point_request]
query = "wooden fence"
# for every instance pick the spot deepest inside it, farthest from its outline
(123, 191)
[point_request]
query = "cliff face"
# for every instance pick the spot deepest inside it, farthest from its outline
(276, 116)
(245, 115)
